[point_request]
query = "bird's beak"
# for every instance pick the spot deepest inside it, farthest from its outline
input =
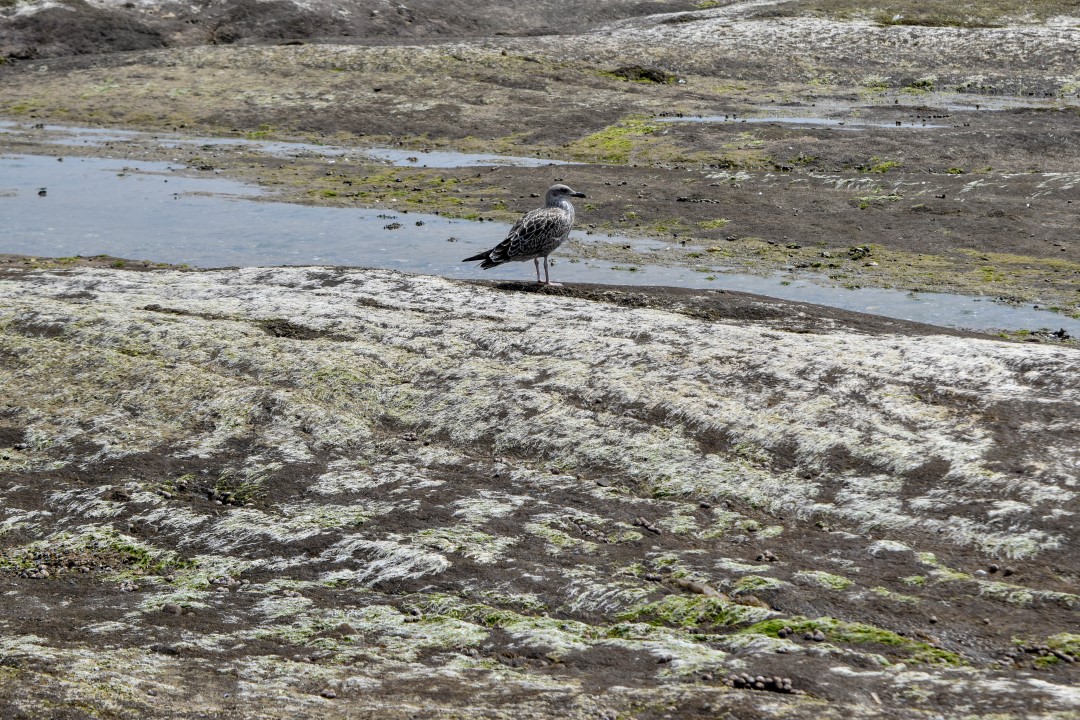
(577, 194)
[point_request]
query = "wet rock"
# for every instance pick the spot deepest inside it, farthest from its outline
(696, 587)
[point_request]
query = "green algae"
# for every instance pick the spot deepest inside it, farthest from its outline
(613, 145)
(894, 596)
(940, 572)
(824, 579)
(854, 633)
(693, 611)
(95, 548)
(748, 584)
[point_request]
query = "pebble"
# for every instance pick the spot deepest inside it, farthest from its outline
(172, 608)
(767, 556)
(643, 523)
(760, 682)
(328, 693)
(785, 632)
(1041, 651)
(818, 636)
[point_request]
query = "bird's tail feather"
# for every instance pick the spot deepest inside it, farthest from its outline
(486, 257)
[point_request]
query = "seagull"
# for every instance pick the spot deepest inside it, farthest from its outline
(536, 234)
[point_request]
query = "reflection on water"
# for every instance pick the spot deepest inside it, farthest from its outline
(148, 211)
(66, 135)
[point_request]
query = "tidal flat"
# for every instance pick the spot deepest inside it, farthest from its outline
(334, 492)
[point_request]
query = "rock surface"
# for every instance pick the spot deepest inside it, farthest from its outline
(304, 492)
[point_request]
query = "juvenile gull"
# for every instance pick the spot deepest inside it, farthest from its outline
(536, 234)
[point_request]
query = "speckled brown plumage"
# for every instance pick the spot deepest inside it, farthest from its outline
(536, 234)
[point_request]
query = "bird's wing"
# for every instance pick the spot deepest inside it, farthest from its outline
(532, 234)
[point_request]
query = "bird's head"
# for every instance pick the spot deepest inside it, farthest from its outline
(559, 191)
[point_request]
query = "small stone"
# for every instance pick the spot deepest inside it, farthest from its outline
(172, 608)
(1008, 571)
(993, 567)
(818, 636)
(932, 619)
(328, 693)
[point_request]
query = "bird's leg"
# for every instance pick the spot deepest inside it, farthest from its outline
(536, 263)
(547, 280)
